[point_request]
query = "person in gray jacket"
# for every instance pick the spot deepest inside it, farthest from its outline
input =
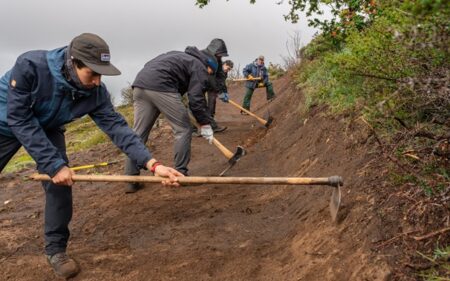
(158, 88)
(44, 91)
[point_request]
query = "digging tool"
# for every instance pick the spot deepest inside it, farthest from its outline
(335, 181)
(232, 157)
(266, 123)
(103, 164)
(247, 79)
(335, 201)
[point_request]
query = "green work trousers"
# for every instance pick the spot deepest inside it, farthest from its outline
(249, 93)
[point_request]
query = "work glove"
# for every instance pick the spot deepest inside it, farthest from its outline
(250, 77)
(224, 97)
(207, 132)
(261, 85)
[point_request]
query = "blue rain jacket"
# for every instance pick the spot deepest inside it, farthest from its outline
(35, 97)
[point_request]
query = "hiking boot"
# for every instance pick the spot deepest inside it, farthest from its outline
(219, 129)
(132, 187)
(63, 265)
(244, 113)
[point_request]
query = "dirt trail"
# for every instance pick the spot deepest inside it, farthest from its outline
(217, 232)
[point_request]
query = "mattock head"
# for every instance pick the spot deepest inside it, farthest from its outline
(269, 121)
(335, 202)
(240, 151)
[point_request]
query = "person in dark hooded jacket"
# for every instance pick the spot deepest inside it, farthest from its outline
(217, 85)
(159, 87)
(42, 92)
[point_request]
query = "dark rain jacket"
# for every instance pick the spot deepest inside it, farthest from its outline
(256, 71)
(179, 72)
(217, 82)
(36, 97)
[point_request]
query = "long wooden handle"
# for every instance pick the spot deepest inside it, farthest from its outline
(262, 121)
(334, 180)
(228, 154)
(103, 164)
(247, 79)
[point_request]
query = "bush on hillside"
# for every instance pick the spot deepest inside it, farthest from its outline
(394, 76)
(127, 95)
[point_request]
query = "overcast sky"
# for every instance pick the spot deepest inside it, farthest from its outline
(139, 30)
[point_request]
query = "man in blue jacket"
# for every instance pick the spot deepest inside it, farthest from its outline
(159, 87)
(42, 92)
(257, 69)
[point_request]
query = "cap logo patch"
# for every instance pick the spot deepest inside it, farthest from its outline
(105, 57)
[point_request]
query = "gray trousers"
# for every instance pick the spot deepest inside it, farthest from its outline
(58, 199)
(148, 105)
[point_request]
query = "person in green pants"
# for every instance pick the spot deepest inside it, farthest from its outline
(253, 71)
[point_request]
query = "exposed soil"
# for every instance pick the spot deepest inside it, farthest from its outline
(219, 232)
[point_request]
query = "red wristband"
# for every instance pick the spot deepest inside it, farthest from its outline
(153, 168)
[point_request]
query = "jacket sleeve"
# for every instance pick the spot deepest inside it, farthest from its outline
(114, 125)
(24, 124)
(265, 75)
(221, 77)
(247, 70)
(196, 95)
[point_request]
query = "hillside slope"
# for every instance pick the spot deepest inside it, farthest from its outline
(233, 232)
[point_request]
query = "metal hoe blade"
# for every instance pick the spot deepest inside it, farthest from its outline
(240, 151)
(335, 202)
(269, 121)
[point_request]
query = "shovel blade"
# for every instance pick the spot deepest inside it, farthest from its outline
(335, 202)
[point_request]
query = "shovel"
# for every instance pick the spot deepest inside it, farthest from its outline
(266, 123)
(335, 181)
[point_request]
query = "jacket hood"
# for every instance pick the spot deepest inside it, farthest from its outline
(206, 59)
(217, 47)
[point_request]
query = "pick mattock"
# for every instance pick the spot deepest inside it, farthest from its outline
(247, 79)
(233, 158)
(103, 164)
(335, 181)
(266, 123)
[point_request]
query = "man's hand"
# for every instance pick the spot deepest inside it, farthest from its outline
(64, 177)
(207, 132)
(224, 97)
(250, 77)
(170, 173)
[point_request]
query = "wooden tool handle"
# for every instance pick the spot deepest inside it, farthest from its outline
(335, 180)
(217, 143)
(262, 121)
(247, 79)
(228, 154)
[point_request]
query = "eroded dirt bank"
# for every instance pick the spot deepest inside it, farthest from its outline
(219, 232)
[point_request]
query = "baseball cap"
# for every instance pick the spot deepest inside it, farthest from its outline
(261, 57)
(94, 53)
